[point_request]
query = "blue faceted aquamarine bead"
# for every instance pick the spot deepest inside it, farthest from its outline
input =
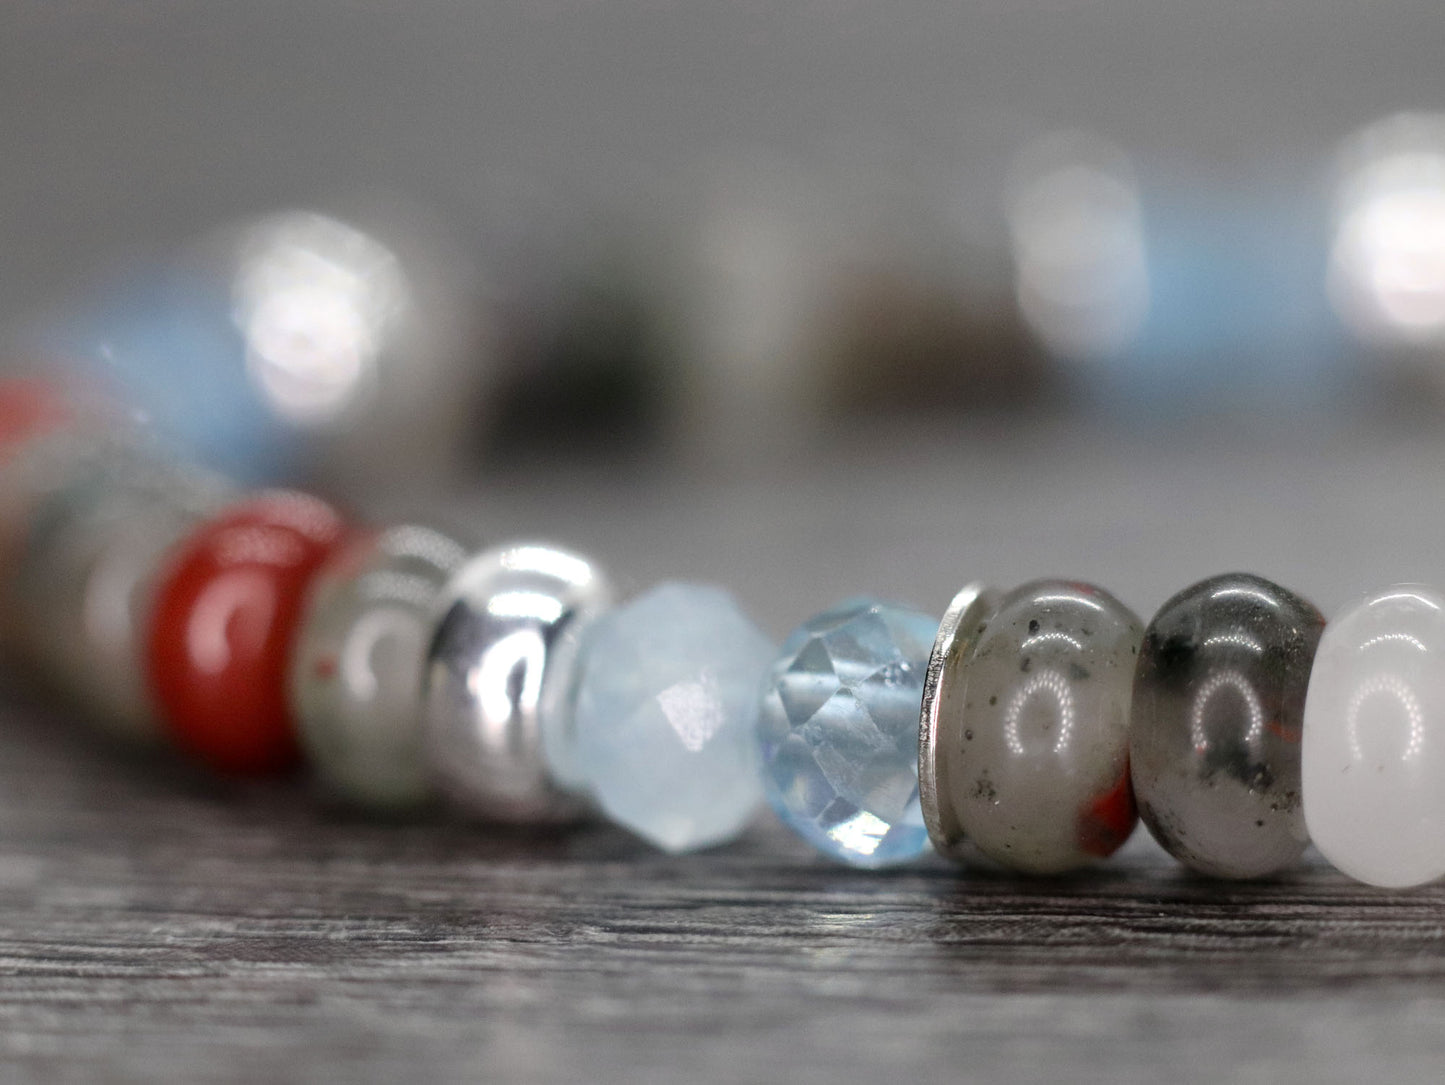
(838, 729)
(663, 728)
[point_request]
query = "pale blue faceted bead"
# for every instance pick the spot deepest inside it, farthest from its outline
(663, 727)
(838, 729)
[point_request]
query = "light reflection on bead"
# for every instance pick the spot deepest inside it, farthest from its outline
(82, 591)
(500, 681)
(1052, 684)
(1240, 686)
(1235, 638)
(1387, 687)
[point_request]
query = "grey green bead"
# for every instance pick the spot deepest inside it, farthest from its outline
(1039, 767)
(356, 673)
(1219, 697)
(82, 588)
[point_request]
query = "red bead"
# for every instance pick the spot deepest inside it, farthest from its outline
(226, 611)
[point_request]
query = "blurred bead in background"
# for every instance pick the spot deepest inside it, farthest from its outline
(583, 355)
(296, 346)
(1077, 225)
(1387, 263)
(768, 304)
(752, 250)
(909, 326)
(1165, 299)
(810, 298)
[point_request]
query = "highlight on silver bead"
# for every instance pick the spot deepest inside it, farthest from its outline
(500, 678)
(356, 670)
(962, 623)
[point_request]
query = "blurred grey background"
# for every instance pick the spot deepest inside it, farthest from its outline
(137, 124)
(658, 154)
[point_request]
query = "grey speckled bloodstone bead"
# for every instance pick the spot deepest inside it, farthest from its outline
(81, 591)
(1214, 745)
(1041, 776)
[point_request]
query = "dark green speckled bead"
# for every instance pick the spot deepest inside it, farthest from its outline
(1214, 738)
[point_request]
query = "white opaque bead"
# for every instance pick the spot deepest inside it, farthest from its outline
(1374, 739)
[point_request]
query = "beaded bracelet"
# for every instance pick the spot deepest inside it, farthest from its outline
(1030, 729)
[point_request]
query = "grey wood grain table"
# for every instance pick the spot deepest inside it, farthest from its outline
(156, 924)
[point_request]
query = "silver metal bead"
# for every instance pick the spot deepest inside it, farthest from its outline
(940, 717)
(500, 678)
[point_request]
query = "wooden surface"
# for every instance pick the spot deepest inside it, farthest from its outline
(152, 925)
(155, 923)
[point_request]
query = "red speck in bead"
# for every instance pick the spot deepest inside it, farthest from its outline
(1109, 818)
(227, 607)
(1284, 731)
(325, 668)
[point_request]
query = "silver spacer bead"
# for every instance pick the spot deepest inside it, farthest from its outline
(499, 679)
(939, 718)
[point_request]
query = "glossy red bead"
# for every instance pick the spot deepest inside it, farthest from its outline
(226, 614)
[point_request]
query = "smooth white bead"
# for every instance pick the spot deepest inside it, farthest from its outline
(1374, 739)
